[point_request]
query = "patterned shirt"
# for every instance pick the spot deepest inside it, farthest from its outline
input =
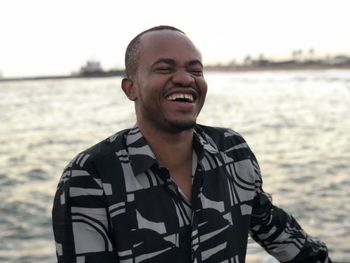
(114, 203)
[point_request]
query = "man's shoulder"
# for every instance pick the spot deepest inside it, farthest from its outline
(110, 145)
(222, 133)
(103, 150)
(228, 141)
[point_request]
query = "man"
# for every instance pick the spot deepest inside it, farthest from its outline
(169, 190)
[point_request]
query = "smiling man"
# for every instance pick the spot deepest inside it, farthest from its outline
(169, 189)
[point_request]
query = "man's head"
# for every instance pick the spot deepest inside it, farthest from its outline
(133, 50)
(164, 79)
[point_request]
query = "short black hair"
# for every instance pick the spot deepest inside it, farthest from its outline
(132, 51)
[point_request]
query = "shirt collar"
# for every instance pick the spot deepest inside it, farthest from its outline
(140, 154)
(203, 142)
(142, 158)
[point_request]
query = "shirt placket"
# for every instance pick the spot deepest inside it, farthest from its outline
(196, 208)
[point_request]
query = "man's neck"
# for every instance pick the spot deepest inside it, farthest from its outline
(171, 149)
(174, 152)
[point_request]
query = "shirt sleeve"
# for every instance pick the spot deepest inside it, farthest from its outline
(79, 216)
(281, 235)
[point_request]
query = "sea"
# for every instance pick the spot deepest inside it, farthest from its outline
(296, 122)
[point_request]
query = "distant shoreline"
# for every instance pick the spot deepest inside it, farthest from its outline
(120, 73)
(276, 68)
(98, 74)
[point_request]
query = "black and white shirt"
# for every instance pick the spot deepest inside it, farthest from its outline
(114, 203)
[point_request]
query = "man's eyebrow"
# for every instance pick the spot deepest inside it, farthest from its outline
(165, 61)
(195, 62)
(171, 61)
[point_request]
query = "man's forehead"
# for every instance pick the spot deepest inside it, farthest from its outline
(165, 37)
(164, 40)
(163, 33)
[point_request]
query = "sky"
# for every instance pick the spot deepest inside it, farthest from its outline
(56, 37)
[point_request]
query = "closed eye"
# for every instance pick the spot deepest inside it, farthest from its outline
(164, 70)
(196, 72)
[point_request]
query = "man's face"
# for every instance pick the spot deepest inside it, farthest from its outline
(169, 84)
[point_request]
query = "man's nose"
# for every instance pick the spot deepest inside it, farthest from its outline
(183, 78)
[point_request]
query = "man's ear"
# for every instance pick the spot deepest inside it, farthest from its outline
(129, 89)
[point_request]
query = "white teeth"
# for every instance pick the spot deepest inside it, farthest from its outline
(175, 96)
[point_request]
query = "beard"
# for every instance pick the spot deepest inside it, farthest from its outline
(147, 113)
(178, 126)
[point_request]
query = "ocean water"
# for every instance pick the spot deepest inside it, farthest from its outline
(296, 122)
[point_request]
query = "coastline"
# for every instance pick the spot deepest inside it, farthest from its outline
(97, 74)
(294, 67)
(218, 68)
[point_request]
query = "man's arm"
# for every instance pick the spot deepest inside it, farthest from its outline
(280, 234)
(80, 223)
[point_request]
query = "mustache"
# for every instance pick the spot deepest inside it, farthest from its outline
(194, 90)
(186, 88)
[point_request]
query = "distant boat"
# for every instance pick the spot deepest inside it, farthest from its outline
(94, 69)
(91, 67)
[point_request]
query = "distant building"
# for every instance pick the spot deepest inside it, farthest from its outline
(91, 67)
(339, 60)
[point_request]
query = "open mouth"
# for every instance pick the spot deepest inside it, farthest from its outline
(181, 97)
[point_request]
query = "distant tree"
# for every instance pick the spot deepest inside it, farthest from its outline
(311, 54)
(300, 54)
(232, 63)
(297, 55)
(248, 60)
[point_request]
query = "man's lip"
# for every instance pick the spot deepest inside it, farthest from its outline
(190, 91)
(185, 97)
(180, 106)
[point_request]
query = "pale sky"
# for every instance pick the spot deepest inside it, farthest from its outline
(48, 37)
